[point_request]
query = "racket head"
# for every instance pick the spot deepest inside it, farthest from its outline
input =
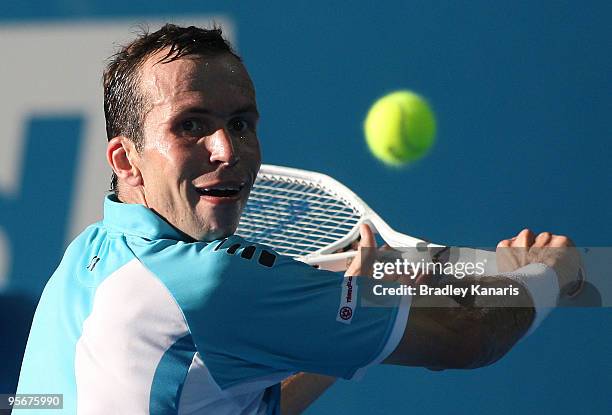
(300, 213)
(309, 216)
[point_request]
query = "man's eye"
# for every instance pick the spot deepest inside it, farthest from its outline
(239, 125)
(192, 126)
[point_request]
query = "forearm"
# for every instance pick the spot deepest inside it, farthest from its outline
(502, 319)
(464, 331)
(299, 391)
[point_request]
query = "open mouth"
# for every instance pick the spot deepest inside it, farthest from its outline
(221, 191)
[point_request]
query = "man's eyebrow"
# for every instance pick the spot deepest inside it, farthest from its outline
(249, 108)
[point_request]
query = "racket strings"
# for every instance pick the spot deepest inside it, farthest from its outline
(295, 216)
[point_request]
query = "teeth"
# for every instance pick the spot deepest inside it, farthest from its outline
(208, 189)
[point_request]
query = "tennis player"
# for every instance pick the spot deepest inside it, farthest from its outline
(160, 309)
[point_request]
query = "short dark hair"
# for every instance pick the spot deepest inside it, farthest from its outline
(124, 103)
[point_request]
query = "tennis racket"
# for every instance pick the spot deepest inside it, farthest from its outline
(313, 217)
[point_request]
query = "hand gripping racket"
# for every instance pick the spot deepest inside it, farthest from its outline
(311, 217)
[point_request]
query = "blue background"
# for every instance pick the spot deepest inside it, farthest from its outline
(523, 95)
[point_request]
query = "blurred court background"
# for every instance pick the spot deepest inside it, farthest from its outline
(523, 95)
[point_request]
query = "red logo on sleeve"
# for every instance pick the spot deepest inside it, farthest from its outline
(346, 313)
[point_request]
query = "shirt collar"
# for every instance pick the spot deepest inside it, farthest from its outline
(137, 219)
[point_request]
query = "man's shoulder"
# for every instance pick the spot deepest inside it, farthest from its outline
(82, 245)
(193, 271)
(92, 256)
(166, 256)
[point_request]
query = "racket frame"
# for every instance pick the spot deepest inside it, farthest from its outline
(327, 257)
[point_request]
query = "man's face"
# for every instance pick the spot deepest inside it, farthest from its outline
(201, 152)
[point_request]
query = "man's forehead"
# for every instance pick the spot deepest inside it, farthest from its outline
(195, 73)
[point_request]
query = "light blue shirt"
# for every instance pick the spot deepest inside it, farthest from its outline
(139, 319)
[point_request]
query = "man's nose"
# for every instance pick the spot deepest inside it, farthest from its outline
(221, 148)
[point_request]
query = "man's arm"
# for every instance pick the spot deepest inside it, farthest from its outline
(453, 332)
(301, 390)
(463, 333)
(441, 333)
(475, 331)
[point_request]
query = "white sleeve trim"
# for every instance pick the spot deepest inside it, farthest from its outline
(397, 332)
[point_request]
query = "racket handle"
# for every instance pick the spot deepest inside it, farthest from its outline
(332, 262)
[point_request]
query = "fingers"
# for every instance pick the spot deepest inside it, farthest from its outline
(517, 256)
(504, 244)
(367, 253)
(542, 239)
(556, 251)
(367, 237)
(524, 239)
(560, 241)
(364, 259)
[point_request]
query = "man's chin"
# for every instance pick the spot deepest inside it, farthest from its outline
(218, 225)
(215, 236)
(218, 232)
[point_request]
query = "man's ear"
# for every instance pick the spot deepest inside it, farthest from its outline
(121, 154)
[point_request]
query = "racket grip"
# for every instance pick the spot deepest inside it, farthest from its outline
(332, 262)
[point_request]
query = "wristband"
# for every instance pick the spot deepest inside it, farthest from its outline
(542, 283)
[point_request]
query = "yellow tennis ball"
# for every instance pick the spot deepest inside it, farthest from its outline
(400, 127)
